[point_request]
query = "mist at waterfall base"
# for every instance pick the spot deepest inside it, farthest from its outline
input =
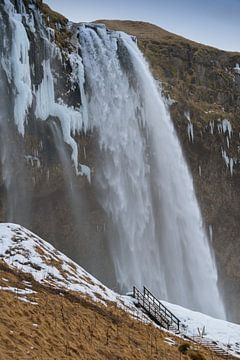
(155, 236)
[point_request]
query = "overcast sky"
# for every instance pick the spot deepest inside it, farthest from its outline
(212, 22)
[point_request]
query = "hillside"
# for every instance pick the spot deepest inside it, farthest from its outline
(196, 75)
(203, 84)
(51, 307)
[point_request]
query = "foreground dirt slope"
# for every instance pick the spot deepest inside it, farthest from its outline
(53, 324)
(204, 83)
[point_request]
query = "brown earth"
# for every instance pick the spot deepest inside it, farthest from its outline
(64, 325)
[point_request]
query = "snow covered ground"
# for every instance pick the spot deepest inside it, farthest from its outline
(224, 333)
(23, 250)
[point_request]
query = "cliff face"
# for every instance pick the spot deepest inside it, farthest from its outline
(38, 183)
(38, 186)
(204, 84)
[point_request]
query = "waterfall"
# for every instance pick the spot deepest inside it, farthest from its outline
(157, 236)
(154, 232)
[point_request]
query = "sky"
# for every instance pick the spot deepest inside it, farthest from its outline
(211, 22)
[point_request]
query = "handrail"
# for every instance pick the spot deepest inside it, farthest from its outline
(164, 317)
(162, 307)
(155, 308)
(152, 310)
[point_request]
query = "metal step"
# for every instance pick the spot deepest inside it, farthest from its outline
(156, 310)
(166, 319)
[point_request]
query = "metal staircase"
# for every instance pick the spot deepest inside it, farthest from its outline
(162, 316)
(158, 312)
(212, 346)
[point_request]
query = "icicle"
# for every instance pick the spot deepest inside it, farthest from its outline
(189, 126)
(71, 119)
(200, 170)
(20, 67)
(211, 124)
(227, 127)
(210, 228)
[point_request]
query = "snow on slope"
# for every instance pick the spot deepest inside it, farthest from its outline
(224, 333)
(22, 249)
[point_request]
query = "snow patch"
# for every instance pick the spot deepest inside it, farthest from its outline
(225, 334)
(27, 252)
(237, 69)
(17, 290)
(33, 160)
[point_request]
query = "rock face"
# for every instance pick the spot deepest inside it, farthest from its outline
(204, 84)
(38, 183)
(35, 191)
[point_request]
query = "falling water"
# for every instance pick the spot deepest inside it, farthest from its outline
(157, 236)
(155, 233)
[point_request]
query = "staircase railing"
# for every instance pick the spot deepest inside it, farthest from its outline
(165, 318)
(172, 319)
(155, 309)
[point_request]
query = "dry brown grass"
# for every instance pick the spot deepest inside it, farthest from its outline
(68, 326)
(193, 74)
(150, 32)
(53, 16)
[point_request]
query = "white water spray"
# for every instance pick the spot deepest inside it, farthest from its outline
(144, 185)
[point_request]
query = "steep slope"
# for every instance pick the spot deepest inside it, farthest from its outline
(204, 85)
(51, 307)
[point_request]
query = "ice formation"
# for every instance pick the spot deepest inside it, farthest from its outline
(189, 127)
(20, 68)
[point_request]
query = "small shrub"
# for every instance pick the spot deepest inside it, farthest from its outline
(184, 347)
(195, 355)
